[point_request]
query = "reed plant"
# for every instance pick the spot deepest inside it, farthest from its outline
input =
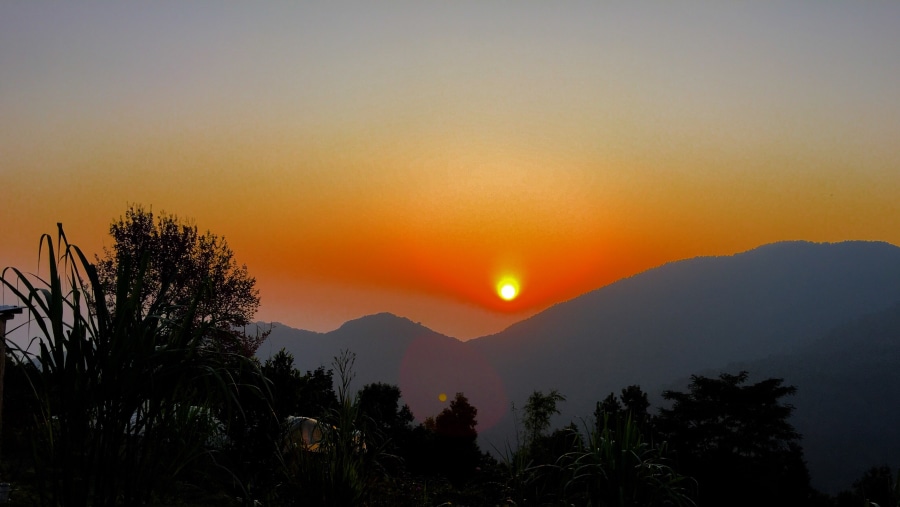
(526, 482)
(125, 396)
(617, 467)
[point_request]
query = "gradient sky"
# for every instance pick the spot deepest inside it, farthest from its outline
(403, 156)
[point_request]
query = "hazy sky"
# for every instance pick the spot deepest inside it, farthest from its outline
(403, 156)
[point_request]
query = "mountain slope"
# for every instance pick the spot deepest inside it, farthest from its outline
(691, 315)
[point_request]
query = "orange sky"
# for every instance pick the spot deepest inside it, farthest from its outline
(402, 158)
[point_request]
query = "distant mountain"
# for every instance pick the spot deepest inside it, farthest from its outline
(395, 350)
(651, 329)
(379, 342)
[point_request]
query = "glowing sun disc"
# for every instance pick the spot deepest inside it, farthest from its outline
(508, 291)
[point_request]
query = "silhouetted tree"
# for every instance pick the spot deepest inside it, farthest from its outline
(610, 406)
(317, 397)
(285, 383)
(383, 416)
(736, 440)
(455, 440)
(539, 409)
(457, 420)
(635, 403)
(632, 403)
(190, 271)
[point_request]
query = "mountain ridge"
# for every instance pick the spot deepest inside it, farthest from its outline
(760, 248)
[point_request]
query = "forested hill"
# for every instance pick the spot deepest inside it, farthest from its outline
(651, 329)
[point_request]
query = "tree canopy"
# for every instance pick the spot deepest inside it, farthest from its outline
(457, 420)
(171, 261)
(631, 404)
(454, 440)
(736, 440)
(380, 403)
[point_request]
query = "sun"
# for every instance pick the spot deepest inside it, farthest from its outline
(508, 289)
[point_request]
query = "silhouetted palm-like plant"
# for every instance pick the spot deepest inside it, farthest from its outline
(126, 397)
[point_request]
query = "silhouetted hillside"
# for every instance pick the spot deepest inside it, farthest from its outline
(651, 329)
(687, 316)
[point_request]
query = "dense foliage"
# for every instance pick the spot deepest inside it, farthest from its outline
(122, 401)
(737, 441)
(181, 270)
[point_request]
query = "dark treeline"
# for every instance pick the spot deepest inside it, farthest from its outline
(722, 442)
(144, 391)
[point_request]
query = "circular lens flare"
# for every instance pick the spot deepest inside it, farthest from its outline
(508, 289)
